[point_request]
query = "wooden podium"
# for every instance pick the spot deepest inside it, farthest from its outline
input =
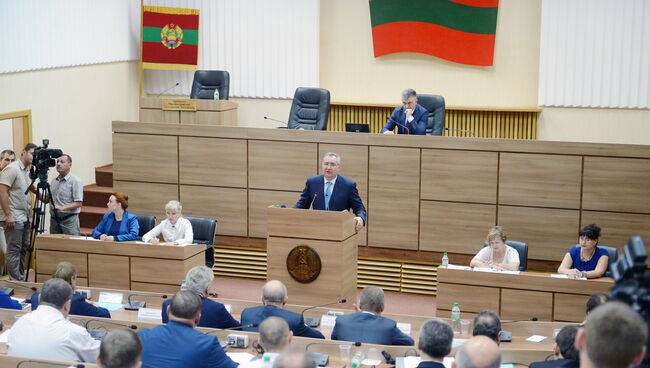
(187, 111)
(331, 235)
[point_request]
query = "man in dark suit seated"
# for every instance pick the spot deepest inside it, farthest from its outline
(487, 323)
(274, 297)
(368, 325)
(332, 192)
(565, 353)
(434, 344)
(478, 352)
(178, 343)
(80, 307)
(213, 313)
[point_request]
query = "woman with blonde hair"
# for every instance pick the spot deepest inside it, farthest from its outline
(174, 229)
(497, 254)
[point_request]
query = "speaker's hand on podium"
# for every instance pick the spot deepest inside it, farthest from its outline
(359, 221)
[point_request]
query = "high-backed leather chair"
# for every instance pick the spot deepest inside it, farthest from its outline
(310, 109)
(204, 231)
(612, 255)
(522, 249)
(206, 81)
(435, 106)
(146, 222)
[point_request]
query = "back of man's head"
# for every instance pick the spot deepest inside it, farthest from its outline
(436, 337)
(565, 340)
(274, 292)
(487, 323)
(596, 300)
(372, 299)
(56, 292)
(185, 304)
(478, 352)
(120, 349)
(275, 335)
(294, 359)
(66, 271)
(614, 336)
(198, 279)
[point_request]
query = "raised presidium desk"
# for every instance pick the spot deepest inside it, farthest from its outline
(516, 296)
(118, 265)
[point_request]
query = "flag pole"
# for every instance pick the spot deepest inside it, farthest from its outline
(141, 41)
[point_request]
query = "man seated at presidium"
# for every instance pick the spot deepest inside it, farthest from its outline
(586, 260)
(175, 229)
(274, 297)
(332, 192)
(367, 325)
(497, 254)
(117, 224)
(410, 118)
(213, 313)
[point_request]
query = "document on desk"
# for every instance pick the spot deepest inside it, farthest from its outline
(110, 298)
(490, 269)
(536, 338)
(150, 314)
(404, 327)
(561, 276)
(83, 238)
(413, 361)
(458, 267)
(241, 358)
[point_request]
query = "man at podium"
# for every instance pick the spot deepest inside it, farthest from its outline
(332, 192)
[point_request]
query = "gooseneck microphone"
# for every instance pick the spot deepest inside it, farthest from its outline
(314, 322)
(311, 205)
(277, 121)
(167, 90)
(357, 344)
(135, 305)
(100, 332)
(519, 320)
(216, 330)
(408, 131)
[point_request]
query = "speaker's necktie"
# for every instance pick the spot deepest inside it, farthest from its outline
(328, 194)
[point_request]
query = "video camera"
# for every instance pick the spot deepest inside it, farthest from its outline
(44, 158)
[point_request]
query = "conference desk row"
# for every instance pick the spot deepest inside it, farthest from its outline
(519, 350)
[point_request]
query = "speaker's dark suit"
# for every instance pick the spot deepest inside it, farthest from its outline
(417, 126)
(213, 314)
(79, 306)
(345, 196)
(560, 363)
(369, 328)
(257, 315)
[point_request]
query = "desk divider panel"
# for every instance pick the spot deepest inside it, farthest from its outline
(213, 162)
(281, 165)
(147, 198)
(227, 205)
(617, 184)
(141, 157)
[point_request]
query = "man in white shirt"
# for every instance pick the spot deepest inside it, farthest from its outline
(275, 337)
(46, 332)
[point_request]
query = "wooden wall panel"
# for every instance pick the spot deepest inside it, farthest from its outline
(108, 271)
(470, 298)
(616, 184)
(617, 228)
(258, 201)
(281, 165)
(540, 180)
(454, 227)
(147, 198)
(229, 206)
(142, 157)
(522, 304)
(464, 176)
(213, 162)
(392, 197)
(548, 232)
(566, 307)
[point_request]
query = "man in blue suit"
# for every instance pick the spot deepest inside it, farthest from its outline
(368, 325)
(274, 297)
(434, 344)
(213, 313)
(178, 343)
(410, 118)
(332, 192)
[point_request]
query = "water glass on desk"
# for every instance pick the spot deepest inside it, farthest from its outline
(345, 349)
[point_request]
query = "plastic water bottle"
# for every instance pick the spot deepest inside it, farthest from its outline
(216, 94)
(455, 318)
(266, 361)
(357, 359)
(445, 260)
(183, 282)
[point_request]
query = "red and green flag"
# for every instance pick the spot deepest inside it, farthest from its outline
(462, 31)
(170, 38)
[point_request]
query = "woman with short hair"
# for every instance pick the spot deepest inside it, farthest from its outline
(497, 254)
(586, 259)
(175, 229)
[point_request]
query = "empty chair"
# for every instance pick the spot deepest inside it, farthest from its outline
(146, 222)
(206, 81)
(204, 231)
(310, 109)
(522, 249)
(435, 105)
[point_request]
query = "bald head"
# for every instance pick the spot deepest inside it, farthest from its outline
(294, 359)
(275, 335)
(478, 352)
(274, 292)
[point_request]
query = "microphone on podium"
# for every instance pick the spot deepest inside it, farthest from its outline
(167, 90)
(408, 131)
(315, 321)
(506, 336)
(286, 126)
(311, 205)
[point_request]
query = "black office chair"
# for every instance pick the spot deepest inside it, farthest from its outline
(612, 255)
(146, 223)
(521, 248)
(204, 231)
(206, 81)
(310, 109)
(435, 106)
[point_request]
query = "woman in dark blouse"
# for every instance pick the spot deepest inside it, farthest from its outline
(586, 259)
(117, 224)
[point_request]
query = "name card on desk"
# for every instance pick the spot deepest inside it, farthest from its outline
(110, 298)
(404, 327)
(228, 307)
(150, 314)
(179, 104)
(327, 320)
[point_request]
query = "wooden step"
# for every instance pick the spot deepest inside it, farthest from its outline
(96, 196)
(90, 216)
(104, 175)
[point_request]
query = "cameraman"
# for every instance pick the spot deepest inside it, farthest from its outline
(14, 217)
(67, 196)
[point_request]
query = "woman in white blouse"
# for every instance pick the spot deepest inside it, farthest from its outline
(175, 229)
(497, 254)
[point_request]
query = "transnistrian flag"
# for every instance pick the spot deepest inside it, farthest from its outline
(170, 38)
(462, 31)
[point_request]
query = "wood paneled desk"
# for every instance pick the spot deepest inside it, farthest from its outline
(118, 265)
(522, 296)
(207, 112)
